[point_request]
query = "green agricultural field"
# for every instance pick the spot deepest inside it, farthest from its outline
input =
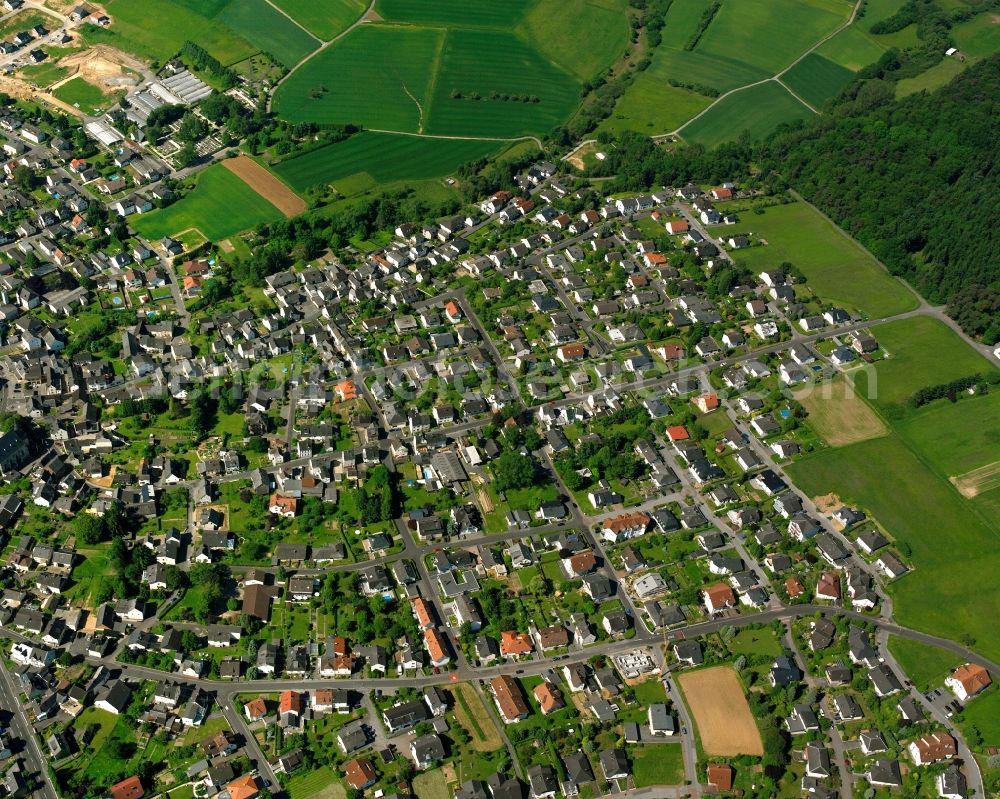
(557, 29)
(682, 21)
(878, 10)
(952, 545)
(494, 65)
(658, 764)
(771, 35)
(269, 30)
(759, 109)
(719, 72)
(156, 29)
(926, 665)
(817, 79)
(219, 206)
(852, 48)
(344, 83)
(653, 106)
(85, 96)
(836, 267)
(955, 437)
(466, 13)
(324, 18)
(383, 156)
(922, 352)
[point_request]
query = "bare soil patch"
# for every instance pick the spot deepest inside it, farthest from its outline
(978, 481)
(721, 713)
(103, 67)
(266, 185)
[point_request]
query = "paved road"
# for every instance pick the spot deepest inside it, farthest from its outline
(35, 762)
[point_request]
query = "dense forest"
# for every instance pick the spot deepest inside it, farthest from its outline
(915, 180)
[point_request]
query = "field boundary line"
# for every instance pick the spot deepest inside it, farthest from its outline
(433, 82)
(791, 91)
(775, 77)
(291, 19)
(535, 139)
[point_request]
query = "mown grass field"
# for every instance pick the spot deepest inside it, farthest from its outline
(836, 267)
(817, 79)
(323, 18)
(85, 96)
(759, 109)
(922, 352)
(382, 156)
(493, 64)
(926, 665)
(344, 83)
(270, 31)
(220, 205)
(156, 29)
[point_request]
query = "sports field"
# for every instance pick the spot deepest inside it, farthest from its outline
(219, 206)
(921, 352)
(836, 267)
(85, 96)
(269, 30)
(759, 110)
(817, 79)
(838, 415)
(323, 18)
(383, 156)
(725, 724)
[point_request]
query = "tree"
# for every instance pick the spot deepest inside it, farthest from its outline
(513, 470)
(88, 529)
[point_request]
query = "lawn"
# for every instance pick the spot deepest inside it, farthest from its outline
(85, 96)
(836, 267)
(323, 18)
(773, 34)
(983, 713)
(927, 666)
(556, 30)
(317, 783)
(156, 29)
(658, 764)
(431, 785)
(260, 24)
(817, 79)
(220, 205)
(382, 156)
(343, 84)
(952, 545)
(921, 351)
(755, 642)
(759, 110)
(493, 65)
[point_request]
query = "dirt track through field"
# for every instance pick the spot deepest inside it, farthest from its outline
(721, 713)
(978, 481)
(266, 185)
